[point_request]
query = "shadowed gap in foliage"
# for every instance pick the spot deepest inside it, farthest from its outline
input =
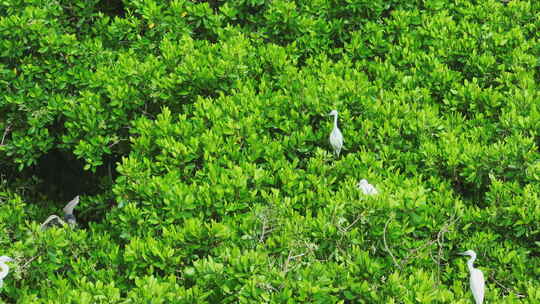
(112, 8)
(61, 177)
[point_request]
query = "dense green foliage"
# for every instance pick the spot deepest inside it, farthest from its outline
(202, 131)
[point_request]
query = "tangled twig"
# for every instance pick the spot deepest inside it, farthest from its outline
(290, 257)
(506, 289)
(28, 262)
(440, 243)
(265, 217)
(412, 253)
(439, 240)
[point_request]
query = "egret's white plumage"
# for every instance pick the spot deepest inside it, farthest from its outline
(477, 281)
(336, 138)
(68, 215)
(4, 268)
(50, 219)
(68, 211)
(367, 188)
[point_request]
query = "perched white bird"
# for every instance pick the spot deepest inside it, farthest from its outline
(68, 215)
(336, 138)
(367, 188)
(4, 267)
(476, 279)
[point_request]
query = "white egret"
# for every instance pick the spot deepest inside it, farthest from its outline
(68, 215)
(476, 279)
(5, 269)
(336, 138)
(367, 188)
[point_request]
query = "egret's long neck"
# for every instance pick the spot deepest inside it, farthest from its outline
(470, 263)
(335, 121)
(4, 272)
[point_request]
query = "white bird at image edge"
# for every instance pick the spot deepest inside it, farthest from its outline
(336, 138)
(4, 267)
(367, 188)
(476, 278)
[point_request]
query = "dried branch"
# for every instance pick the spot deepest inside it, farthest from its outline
(28, 262)
(439, 240)
(6, 131)
(266, 225)
(440, 244)
(286, 265)
(290, 257)
(114, 143)
(386, 245)
(506, 289)
(263, 230)
(412, 253)
(352, 224)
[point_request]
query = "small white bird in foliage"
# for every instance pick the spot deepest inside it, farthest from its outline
(336, 138)
(68, 211)
(5, 269)
(476, 279)
(68, 215)
(367, 188)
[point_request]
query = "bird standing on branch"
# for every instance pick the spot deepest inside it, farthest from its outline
(476, 278)
(68, 215)
(336, 138)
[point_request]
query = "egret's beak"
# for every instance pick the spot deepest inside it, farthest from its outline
(462, 253)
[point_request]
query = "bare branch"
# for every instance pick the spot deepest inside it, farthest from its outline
(6, 131)
(352, 224)
(28, 262)
(506, 289)
(440, 244)
(286, 265)
(290, 257)
(117, 142)
(263, 230)
(299, 255)
(439, 240)
(265, 217)
(412, 254)
(386, 245)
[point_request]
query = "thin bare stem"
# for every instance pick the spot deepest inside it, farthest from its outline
(263, 231)
(352, 224)
(286, 265)
(29, 261)
(386, 245)
(114, 143)
(291, 257)
(6, 131)
(412, 254)
(506, 289)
